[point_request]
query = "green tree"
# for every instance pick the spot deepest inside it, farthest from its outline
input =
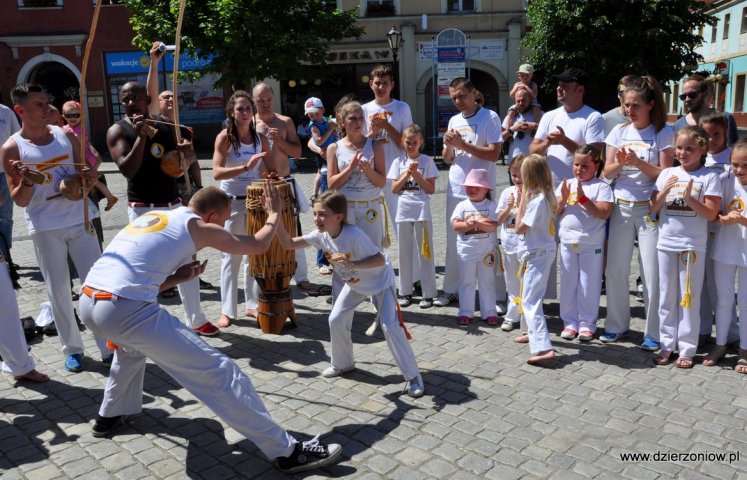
(612, 38)
(250, 38)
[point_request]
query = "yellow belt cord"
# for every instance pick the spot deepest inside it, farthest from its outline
(387, 239)
(685, 303)
(425, 249)
(520, 276)
(501, 267)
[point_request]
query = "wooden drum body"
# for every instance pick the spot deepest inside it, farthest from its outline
(273, 269)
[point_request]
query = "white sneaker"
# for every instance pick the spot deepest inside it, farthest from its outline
(509, 325)
(415, 387)
(333, 371)
(445, 299)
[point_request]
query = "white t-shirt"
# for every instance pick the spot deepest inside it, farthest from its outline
(475, 243)
(358, 187)
(632, 184)
(414, 204)
(520, 146)
(8, 126)
(680, 228)
(483, 128)
(356, 245)
(576, 224)
(585, 125)
(237, 185)
(509, 237)
(730, 245)
(540, 218)
(399, 116)
(718, 160)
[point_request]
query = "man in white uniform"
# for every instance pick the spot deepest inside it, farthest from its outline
(8, 126)
(54, 222)
(119, 302)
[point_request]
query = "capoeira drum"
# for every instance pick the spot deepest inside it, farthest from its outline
(273, 269)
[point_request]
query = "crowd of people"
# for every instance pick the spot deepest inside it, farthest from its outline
(585, 189)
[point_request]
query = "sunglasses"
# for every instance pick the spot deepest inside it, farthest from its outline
(689, 95)
(71, 115)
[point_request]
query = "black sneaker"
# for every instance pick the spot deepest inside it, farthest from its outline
(417, 289)
(205, 285)
(106, 425)
(308, 455)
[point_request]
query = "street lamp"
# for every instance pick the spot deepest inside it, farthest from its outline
(394, 37)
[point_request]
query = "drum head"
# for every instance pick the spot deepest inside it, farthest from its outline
(171, 164)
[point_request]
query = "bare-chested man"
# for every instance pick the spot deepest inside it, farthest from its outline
(284, 143)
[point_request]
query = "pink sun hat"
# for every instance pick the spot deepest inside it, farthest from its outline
(479, 177)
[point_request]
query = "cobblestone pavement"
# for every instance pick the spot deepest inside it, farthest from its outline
(486, 413)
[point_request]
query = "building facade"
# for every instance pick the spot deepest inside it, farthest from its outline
(45, 41)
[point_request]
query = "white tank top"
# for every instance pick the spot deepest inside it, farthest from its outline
(143, 254)
(56, 159)
(357, 187)
(237, 185)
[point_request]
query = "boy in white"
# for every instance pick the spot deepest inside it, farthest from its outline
(366, 273)
(730, 257)
(414, 179)
(475, 222)
(686, 197)
(473, 140)
(584, 204)
(386, 119)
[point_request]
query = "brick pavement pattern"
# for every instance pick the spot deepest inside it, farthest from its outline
(486, 413)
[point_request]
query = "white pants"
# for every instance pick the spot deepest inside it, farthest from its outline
(341, 324)
(679, 327)
(409, 236)
(451, 262)
(230, 266)
(709, 299)
(143, 329)
(301, 273)
(471, 273)
(534, 283)
(513, 285)
(727, 275)
(189, 292)
(366, 215)
(627, 222)
(52, 248)
(13, 346)
(500, 280)
(580, 285)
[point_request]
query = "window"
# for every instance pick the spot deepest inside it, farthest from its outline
(39, 3)
(743, 27)
(461, 5)
(714, 30)
(739, 93)
(330, 5)
(727, 20)
(380, 8)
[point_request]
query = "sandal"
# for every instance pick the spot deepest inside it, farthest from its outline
(684, 362)
(492, 320)
(716, 354)
(464, 320)
(662, 357)
(110, 203)
(319, 291)
(741, 366)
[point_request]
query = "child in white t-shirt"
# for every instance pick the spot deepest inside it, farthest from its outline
(716, 125)
(584, 205)
(686, 197)
(509, 242)
(535, 223)
(413, 178)
(366, 272)
(730, 258)
(475, 222)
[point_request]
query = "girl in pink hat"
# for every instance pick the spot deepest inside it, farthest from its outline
(475, 222)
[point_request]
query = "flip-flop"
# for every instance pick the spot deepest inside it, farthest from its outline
(662, 357)
(684, 362)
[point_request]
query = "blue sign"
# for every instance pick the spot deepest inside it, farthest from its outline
(451, 54)
(119, 63)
